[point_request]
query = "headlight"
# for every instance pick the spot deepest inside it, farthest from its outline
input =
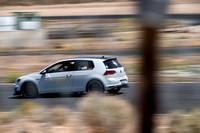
(18, 80)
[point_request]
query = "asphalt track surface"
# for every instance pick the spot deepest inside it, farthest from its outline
(172, 96)
(169, 16)
(174, 51)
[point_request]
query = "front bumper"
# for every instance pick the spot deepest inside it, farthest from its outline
(16, 90)
(17, 93)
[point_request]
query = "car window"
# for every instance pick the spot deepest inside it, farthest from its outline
(54, 68)
(84, 65)
(69, 66)
(62, 67)
(110, 64)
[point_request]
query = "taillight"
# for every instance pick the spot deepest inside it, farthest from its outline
(109, 72)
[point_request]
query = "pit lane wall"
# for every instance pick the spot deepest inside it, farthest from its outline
(22, 38)
(21, 32)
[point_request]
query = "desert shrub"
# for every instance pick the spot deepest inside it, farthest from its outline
(12, 77)
(39, 114)
(185, 122)
(26, 108)
(32, 111)
(106, 114)
(6, 117)
(59, 115)
(58, 47)
(182, 37)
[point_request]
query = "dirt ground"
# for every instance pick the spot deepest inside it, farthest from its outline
(95, 9)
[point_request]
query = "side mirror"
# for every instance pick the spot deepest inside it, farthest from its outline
(43, 72)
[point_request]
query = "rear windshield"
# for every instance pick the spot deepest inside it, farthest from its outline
(110, 64)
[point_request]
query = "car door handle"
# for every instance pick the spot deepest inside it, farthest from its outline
(69, 75)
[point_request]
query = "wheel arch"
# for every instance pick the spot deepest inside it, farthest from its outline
(28, 81)
(86, 87)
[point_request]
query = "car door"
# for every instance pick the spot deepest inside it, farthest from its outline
(82, 71)
(58, 78)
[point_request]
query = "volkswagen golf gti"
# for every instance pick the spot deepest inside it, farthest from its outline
(80, 74)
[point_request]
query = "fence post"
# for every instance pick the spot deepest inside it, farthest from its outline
(152, 17)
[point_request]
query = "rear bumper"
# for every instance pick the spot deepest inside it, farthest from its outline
(116, 82)
(115, 86)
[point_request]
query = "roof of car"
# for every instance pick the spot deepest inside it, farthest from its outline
(87, 58)
(98, 57)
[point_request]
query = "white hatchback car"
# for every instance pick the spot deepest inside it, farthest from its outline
(81, 74)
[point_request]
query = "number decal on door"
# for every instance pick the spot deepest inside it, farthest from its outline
(59, 80)
(65, 80)
(55, 79)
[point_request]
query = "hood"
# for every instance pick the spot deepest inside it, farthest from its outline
(35, 74)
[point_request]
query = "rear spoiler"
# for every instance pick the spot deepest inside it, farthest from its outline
(110, 59)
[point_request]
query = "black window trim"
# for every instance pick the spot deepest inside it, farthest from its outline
(76, 63)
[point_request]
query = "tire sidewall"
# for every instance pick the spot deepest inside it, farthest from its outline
(29, 90)
(95, 86)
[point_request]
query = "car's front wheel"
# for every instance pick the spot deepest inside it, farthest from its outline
(115, 90)
(95, 86)
(29, 90)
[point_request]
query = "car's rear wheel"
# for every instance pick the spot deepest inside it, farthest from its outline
(29, 90)
(115, 90)
(95, 86)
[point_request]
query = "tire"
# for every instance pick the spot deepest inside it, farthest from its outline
(29, 90)
(95, 86)
(115, 90)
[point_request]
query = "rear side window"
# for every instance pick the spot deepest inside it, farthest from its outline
(110, 64)
(84, 65)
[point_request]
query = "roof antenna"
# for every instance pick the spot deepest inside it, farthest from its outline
(102, 56)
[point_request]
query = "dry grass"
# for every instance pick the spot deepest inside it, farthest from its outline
(106, 114)
(98, 114)
(182, 122)
(114, 115)
(59, 115)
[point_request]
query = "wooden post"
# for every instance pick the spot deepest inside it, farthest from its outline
(148, 88)
(152, 17)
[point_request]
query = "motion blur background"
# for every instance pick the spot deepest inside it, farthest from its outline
(35, 33)
(59, 26)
